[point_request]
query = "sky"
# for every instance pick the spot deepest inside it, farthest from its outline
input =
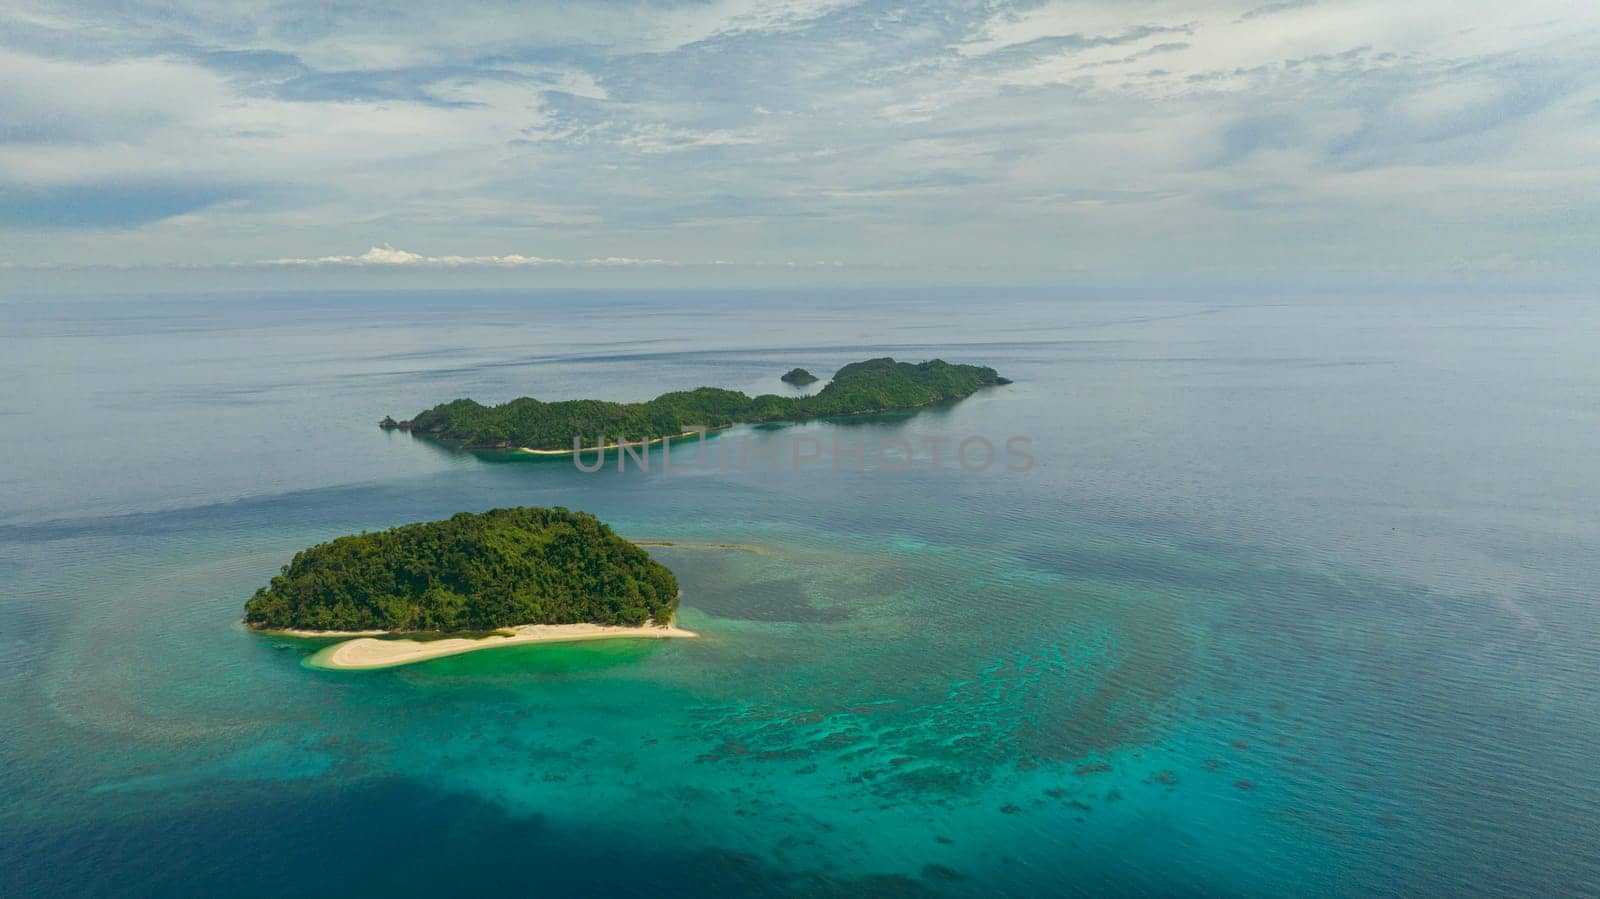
(770, 141)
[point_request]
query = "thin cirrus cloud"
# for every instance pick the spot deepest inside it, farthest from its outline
(1193, 139)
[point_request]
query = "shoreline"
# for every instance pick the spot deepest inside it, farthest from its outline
(312, 635)
(366, 652)
(893, 410)
(611, 446)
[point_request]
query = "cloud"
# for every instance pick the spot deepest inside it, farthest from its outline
(387, 256)
(1274, 8)
(662, 139)
(1117, 137)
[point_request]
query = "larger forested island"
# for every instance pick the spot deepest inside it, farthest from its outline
(860, 388)
(505, 567)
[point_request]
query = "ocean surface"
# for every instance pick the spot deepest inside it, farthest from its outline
(1291, 596)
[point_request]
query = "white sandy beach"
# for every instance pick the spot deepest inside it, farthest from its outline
(292, 632)
(367, 652)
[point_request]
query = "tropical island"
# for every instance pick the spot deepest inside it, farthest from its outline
(860, 388)
(798, 376)
(503, 577)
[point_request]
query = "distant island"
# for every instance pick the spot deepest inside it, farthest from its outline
(798, 376)
(860, 388)
(502, 568)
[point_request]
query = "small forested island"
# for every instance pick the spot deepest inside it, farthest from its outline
(503, 568)
(860, 388)
(798, 376)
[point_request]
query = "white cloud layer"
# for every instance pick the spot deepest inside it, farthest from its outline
(389, 256)
(1193, 140)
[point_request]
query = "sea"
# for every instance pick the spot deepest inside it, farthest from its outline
(1226, 594)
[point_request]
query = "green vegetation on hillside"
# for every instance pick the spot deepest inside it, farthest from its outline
(470, 572)
(876, 385)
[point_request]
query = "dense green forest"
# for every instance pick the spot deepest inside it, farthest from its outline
(470, 572)
(876, 385)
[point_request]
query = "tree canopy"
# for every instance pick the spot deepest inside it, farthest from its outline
(470, 572)
(876, 385)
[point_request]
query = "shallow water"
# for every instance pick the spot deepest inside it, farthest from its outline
(1295, 598)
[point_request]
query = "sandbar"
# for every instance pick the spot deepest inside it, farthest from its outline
(367, 652)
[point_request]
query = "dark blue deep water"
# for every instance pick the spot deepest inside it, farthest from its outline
(1298, 597)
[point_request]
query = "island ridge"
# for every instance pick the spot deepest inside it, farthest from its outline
(860, 388)
(499, 569)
